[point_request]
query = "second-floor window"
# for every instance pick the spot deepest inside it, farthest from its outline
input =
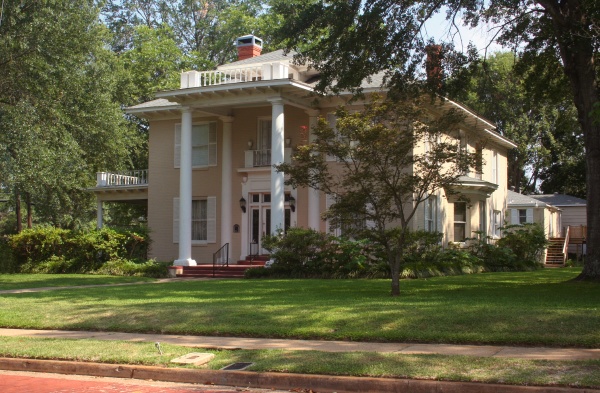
(204, 145)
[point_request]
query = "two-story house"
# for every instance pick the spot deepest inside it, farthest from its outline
(213, 143)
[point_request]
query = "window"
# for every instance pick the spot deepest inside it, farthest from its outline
(199, 220)
(495, 167)
(497, 215)
(204, 145)
(460, 221)
(431, 214)
(521, 216)
(482, 218)
(204, 213)
(478, 161)
(345, 226)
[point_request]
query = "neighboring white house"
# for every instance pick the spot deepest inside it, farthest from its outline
(527, 209)
(213, 143)
(574, 217)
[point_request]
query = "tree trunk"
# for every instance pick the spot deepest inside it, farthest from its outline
(29, 218)
(18, 211)
(577, 52)
(395, 269)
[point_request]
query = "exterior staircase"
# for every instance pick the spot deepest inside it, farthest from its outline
(223, 271)
(556, 252)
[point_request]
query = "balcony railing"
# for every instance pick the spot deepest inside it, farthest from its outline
(235, 75)
(258, 158)
(124, 178)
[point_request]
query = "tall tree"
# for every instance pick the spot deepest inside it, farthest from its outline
(59, 123)
(543, 122)
(349, 40)
(378, 174)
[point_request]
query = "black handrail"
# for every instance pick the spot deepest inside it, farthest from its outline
(219, 253)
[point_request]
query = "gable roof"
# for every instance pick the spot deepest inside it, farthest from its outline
(561, 200)
(517, 199)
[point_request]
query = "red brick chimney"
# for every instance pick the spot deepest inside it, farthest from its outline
(248, 46)
(433, 65)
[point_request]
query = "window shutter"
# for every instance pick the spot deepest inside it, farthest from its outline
(329, 200)
(495, 167)
(514, 216)
(177, 152)
(439, 215)
(211, 219)
(425, 213)
(529, 216)
(175, 220)
(212, 144)
(332, 122)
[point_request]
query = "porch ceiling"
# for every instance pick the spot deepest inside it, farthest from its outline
(219, 100)
(131, 194)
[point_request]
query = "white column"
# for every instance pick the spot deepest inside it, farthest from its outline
(185, 192)
(314, 216)
(226, 197)
(277, 157)
(99, 214)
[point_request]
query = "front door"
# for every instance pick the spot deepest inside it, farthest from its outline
(260, 221)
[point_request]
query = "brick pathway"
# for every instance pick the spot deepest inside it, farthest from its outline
(22, 382)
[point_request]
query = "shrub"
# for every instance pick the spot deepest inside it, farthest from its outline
(125, 267)
(309, 253)
(8, 264)
(526, 241)
(54, 250)
(38, 244)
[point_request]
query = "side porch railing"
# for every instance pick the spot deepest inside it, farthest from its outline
(123, 178)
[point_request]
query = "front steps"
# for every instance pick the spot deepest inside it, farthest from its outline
(232, 271)
(554, 254)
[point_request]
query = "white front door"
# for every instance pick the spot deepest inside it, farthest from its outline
(260, 221)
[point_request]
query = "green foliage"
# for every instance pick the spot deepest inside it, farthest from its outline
(380, 167)
(55, 250)
(542, 121)
(309, 253)
(8, 264)
(520, 249)
(526, 241)
(59, 121)
(126, 267)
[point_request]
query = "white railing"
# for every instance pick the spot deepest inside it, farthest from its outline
(123, 178)
(565, 249)
(235, 75)
(257, 158)
(247, 74)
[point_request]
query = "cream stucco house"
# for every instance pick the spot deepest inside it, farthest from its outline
(212, 144)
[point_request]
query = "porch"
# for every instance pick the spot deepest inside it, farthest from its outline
(123, 187)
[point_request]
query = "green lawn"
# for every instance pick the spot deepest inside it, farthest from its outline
(533, 308)
(393, 365)
(21, 281)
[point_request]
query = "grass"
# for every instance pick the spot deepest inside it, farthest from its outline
(22, 281)
(533, 308)
(436, 367)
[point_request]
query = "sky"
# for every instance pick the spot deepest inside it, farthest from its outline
(438, 28)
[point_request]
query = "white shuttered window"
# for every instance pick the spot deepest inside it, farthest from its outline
(204, 220)
(204, 145)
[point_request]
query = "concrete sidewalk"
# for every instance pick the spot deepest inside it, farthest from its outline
(316, 345)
